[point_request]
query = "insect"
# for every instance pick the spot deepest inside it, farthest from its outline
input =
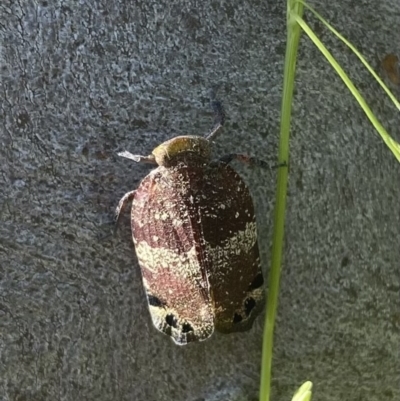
(195, 236)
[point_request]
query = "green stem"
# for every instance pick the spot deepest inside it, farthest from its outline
(280, 205)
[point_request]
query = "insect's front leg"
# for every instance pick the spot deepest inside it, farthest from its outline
(219, 116)
(138, 158)
(123, 203)
(249, 160)
(219, 119)
(128, 197)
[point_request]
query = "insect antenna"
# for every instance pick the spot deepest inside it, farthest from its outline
(219, 117)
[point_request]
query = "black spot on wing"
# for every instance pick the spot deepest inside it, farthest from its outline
(249, 305)
(237, 318)
(171, 320)
(257, 282)
(154, 301)
(186, 328)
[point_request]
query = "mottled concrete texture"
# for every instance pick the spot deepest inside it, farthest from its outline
(82, 80)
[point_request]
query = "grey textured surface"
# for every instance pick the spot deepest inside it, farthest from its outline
(81, 80)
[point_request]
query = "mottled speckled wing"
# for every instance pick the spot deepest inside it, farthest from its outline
(230, 236)
(168, 242)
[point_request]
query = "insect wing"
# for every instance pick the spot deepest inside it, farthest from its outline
(230, 235)
(170, 256)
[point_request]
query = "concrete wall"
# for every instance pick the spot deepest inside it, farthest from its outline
(82, 80)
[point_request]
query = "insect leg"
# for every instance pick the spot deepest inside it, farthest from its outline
(249, 160)
(138, 158)
(123, 203)
(219, 117)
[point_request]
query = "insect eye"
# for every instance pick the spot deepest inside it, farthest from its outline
(171, 320)
(249, 305)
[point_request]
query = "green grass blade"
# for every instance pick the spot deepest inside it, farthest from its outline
(390, 142)
(294, 24)
(292, 44)
(356, 52)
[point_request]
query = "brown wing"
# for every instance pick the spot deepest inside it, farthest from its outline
(230, 234)
(170, 257)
